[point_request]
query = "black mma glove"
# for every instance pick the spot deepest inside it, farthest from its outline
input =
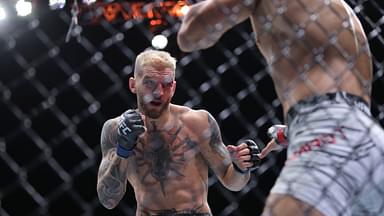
(279, 134)
(254, 150)
(130, 127)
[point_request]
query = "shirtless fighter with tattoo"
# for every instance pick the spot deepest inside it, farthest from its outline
(164, 150)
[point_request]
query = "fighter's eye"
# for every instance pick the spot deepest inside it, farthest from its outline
(149, 83)
(167, 84)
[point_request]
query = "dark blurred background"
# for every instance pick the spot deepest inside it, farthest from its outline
(56, 95)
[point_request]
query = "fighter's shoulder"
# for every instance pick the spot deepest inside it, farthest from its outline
(189, 115)
(111, 123)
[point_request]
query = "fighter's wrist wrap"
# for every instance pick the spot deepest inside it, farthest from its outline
(123, 152)
(279, 134)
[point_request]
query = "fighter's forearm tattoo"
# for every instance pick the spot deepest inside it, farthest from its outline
(112, 176)
(112, 181)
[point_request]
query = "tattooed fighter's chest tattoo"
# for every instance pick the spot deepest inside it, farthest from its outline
(163, 155)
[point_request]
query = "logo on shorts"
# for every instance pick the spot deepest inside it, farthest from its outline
(323, 139)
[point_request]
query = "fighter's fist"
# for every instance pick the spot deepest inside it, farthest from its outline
(279, 134)
(254, 151)
(245, 155)
(130, 127)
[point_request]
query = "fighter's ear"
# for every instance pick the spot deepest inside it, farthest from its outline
(173, 87)
(132, 85)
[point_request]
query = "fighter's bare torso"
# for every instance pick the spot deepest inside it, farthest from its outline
(168, 171)
(310, 47)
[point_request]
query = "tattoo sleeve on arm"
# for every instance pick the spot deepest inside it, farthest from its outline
(108, 136)
(112, 176)
(215, 142)
(222, 161)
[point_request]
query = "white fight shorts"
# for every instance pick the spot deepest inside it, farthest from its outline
(335, 156)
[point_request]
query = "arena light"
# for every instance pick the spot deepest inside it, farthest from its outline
(56, 4)
(159, 41)
(89, 2)
(184, 10)
(3, 14)
(23, 8)
(94, 11)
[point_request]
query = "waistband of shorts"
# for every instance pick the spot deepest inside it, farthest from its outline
(185, 214)
(334, 97)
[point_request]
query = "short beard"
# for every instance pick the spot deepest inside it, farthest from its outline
(152, 114)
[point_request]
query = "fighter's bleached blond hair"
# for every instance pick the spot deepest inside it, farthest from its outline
(156, 59)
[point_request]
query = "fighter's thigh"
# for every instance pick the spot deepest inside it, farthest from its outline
(286, 205)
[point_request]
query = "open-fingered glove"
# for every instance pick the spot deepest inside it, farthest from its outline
(131, 125)
(254, 150)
